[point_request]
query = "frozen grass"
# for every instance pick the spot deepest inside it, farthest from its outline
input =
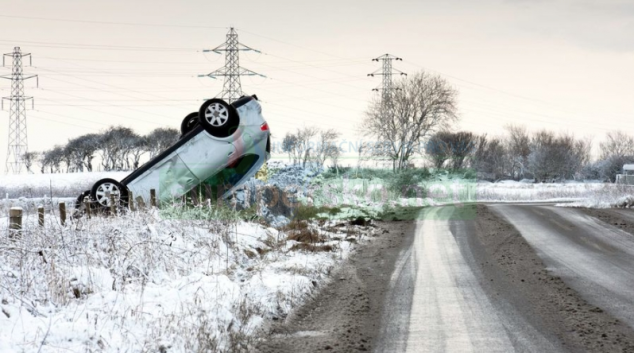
(374, 196)
(511, 191)
(141, 283)
(612, 196)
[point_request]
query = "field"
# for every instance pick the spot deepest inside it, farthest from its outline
(143, 282)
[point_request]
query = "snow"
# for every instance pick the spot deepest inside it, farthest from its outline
(58, 184)
(522, 191)
(617, 196)
(138, 282)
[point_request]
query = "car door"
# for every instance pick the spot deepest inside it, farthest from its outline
(205, 155)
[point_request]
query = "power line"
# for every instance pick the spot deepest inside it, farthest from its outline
(112, 22)
(97, 46)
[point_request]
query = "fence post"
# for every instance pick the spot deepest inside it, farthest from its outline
(113, 207)
(131, 201)
(152, 197)
(62, 212)
(40, 216)
(140, 203)
(15, 220)
(87, 204)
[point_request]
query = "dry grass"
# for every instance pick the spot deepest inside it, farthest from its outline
(312, 247)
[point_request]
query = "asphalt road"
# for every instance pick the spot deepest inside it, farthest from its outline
(504, 278)
(595, 258)
(449, 309)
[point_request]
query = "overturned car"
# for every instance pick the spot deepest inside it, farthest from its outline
(222, 145)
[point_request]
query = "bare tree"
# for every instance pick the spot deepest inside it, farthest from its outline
(557, 157)
(83, 150)
(160, 139)
(420, 105)
(29, 158)
(113, 147)
(326, 146)
(462, 146)
(52, 159)
(438, 147)
(137, 148)
(300, 145)
(289, 144)
(490, 158)
(518, 146)
(616, 144)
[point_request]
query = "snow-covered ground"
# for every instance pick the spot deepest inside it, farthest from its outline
(55, 185)
(514, 191)
(138, 283)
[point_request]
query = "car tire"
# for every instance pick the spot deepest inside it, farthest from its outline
(99, 190)
(80, 206)
(189, 123)
(79, 203)
(219, 118)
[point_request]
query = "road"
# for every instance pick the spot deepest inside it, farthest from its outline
(511, 278)
(450, 311)
(595, 258)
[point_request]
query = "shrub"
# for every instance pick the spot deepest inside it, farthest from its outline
(406, 182)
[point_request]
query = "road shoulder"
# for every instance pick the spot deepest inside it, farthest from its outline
(345, 315)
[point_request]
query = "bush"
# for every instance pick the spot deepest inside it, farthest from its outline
(406, 182)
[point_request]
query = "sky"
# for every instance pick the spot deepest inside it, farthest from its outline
(560, 65)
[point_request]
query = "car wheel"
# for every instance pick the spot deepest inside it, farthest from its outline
(189, 123)
(100, 190)
(80, 207)
(218, 118)
(79, 203)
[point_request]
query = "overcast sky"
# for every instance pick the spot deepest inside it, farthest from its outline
(561, 65)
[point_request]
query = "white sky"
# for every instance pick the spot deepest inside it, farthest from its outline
(561, 65)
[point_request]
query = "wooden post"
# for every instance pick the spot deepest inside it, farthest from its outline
(152, 197)
(15, 219)
(140, 202)
(131, 201)
(62, 212)
(113, 206)
(87, 206)
(40, 216)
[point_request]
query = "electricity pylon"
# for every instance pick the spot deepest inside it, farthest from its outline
(18, 144)
(232, 89)
(386, 71)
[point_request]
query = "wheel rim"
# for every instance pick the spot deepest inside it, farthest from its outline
(216, 114)
(102, 192)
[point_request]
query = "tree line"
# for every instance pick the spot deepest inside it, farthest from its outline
(416, 119)
(117, 148)
(312, 145)
(518, 154)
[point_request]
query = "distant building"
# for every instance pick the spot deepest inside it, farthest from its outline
(627, 177)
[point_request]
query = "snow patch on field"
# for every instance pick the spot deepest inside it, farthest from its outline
(59, 185)
(621, 197)
(515, 191)
(141, 283)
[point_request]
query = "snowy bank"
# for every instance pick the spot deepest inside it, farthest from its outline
(141, 283)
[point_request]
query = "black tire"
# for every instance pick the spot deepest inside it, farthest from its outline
(79, 203)
(189, 123)
(80, 207)
(219, 118)
(98, 193)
